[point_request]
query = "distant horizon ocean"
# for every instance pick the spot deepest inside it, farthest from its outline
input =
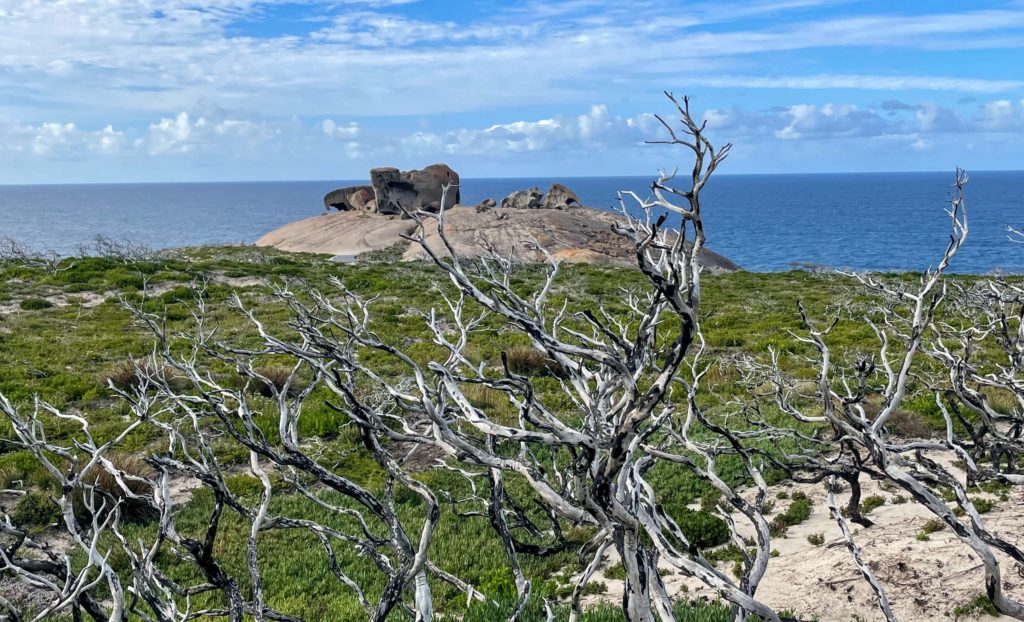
(861, 221)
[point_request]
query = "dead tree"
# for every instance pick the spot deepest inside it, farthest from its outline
(586, 467)
(630, 381)
(860, 443)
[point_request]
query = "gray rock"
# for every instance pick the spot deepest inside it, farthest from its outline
(560, 197)
(400, 192)
(349, 198)
(485, 206)
(524, 199)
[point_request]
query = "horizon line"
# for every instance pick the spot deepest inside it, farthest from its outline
(462, 178)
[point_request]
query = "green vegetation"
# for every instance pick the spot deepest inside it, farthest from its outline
(799, 510)
(870, 503)
(67, 335)
(980, 605)
(931, 526)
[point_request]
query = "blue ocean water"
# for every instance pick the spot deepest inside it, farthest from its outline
(869, 221)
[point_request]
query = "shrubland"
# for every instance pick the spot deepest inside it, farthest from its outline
(238, 433)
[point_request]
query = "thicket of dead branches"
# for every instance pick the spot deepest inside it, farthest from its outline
(634, 380)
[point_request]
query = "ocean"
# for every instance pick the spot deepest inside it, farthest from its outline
(864, 221)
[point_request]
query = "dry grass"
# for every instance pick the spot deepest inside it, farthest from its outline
(109, 491)
(493, 402)
(129, 375)
(907, 424)
(529, 361)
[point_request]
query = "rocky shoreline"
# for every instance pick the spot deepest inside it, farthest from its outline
(376, 217)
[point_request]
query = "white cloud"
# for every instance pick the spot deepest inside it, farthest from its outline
(348, 131)
(54, 140)
(909, 123)
(868, 82)
(1002, 115)
(596, 128)
(181, 134)
(132, 61)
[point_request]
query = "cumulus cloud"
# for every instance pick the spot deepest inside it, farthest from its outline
(347, 131)
(117, 53)
(595, 128)
(915, 125)
(54, 140)
(183, 134)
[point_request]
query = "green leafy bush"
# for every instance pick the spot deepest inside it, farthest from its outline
(871, 503)
(799, 510)
(35, 304)
(703, 530)
(975, 608)
(35, 510)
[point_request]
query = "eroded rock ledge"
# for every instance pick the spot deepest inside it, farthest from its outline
(577, 235)
(375, 217)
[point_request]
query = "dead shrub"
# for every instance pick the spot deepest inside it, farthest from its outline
(276, 377)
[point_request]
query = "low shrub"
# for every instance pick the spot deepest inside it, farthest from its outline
(703, 530)
(616, 572)
(909, 424)
(109, 492)
(36, 510)
(129, 375)
(799, 510)
(930, 526)
(817, 539)
(277, 376)
(35, 304)
(870, 503)
(975, 608)
(983, 505)
(529, 361)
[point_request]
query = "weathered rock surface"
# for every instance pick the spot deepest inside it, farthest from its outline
(524, 199)
(339, 233)
(560, 197)
(398, 192)
(576, 235)
(349, 198)
(485, 205)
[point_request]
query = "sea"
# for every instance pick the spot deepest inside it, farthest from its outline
(863, 221)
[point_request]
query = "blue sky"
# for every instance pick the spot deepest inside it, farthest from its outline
(199, 90)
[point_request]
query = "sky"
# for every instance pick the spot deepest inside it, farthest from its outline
(205, 90)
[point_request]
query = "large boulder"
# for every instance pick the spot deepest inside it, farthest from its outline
(398, 192)
(560, 197)
(349, 198)
(524, 199)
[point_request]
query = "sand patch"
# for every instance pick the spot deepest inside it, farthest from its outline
(924, 580)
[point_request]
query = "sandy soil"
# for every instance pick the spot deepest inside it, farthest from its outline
(924, 580)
